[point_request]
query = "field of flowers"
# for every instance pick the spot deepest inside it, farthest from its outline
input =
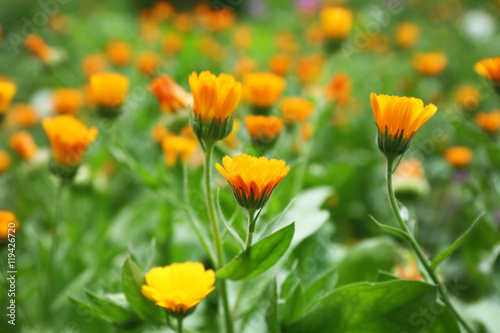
(250, 166)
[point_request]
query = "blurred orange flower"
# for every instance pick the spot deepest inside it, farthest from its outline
(175, 147)
(263, 89)
(489, 122)
(171, 96)
(489, 69)
(263, 130)
(172, 43)
(280, 64)
(306, 131)
(430, 63)
(67, 100)
(162, 10)
(22, 115)
(242, 38)
(309, 68)
(159, 132)
(119, 53)
(6, 221)
(148, 63)
(183, 22)
(22, 143)
(407, 34)
(5, 161)
(339, 88)
(467, 96)
(7, 91)
(217, 20)
(92, 64)
(243, 66)
(458, 156)
(36, 45)
(109, 89)
(296, 109)
(286, 43)
(336, 22)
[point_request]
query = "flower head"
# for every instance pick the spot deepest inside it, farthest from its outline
(22, 115)
(119, 53)
(458, 156)
(252, 179)
(336, 22)
(398, 119)
(171, 96)
(489, 122)
(93, 64)
(7, 91)
(280, 64)
(178, 146)
(172, 43)
(430, 63)
(407, 34)
(23, 144)
(69, 139)
(67, 100)
(264, 130)
(467, 96)
(7, 221)
(109, 91)
(5, 161)
(296, 109)
(309, 68)
(36, 45)
(339, 88)
(179, 287)
(262, 90)
(489, 69)
(148, 63)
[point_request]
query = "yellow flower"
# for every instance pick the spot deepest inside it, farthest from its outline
(398, 119)
(69, 139)
(23, 144)
(430, 63)
(4, 161)
(179, 287)
(458, 156)
(489, 122)
(252, 179)
(109, 90)
(467, 96)
(171, 96)
(407, 34)
(489, 69)
(67, 100)
(296, 109)
(264, 130)
(7, 91)
(177, 146)
(119, 53)
(263, 89)
(336, 22)
(7, 221)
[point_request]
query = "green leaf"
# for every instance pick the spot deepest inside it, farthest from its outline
(132, 281)
(392, 230)
(386, 276)
(111, 311)
(322, 285)
(446, 253)
(364, 260)
(295, 304)
(395, 306)
(260, 257)
(272, 321)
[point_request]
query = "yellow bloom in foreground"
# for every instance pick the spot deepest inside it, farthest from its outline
(398, 119)
(23, 144)
(178, 146)
(489, 122)
(109, 90)
(431, 63)
(296, 109)
(7, 91)
(458, 156)
(263, 89)
(252, 179)
(67, 100)
(336, 22)
(179, 287)
(69, 139)
(264, 130)
(489, 69)
(4, 161)
(7, 221)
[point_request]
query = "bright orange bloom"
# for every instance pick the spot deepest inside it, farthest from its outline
(263, 89)
(242, 38)
(217, 20)
(467, 96)
(264, 128)
(336, 22)
(7, 92)
(148, 63)
(252, 179)
(172, 43)
(309, 68)
(407, 34)
(23, 144)
(430, 63)
(178, 287)
(92, 64)
(22, 115)
(162, 10)
(7, 221)
(38, 47)
(296, 109)
(398, 119)
(458, 156)
(119, 53)
(67, 100)
(339, 88)
(5, 161)
(69, 139)
(171, 96)
(489, 69)
(178, 146)
(489, 122)
(215, 98)
(280, 64)
(109, 89)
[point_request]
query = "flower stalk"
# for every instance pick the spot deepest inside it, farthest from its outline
(251, 227)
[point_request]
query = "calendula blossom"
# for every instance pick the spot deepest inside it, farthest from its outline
(458, 156)
(175, 147)
(22, 115)
(119, 53)
(296, 109)
(67, 100)
(7, 221)
(262, 90)
(23, 144)
(407, 34)
(170, 95)
(252, 179)
(5, 161)
(108, 91)
(398, 119)
(489, 122)
(336, 22)
(263, 130)
(7, 92)
(489, 69)
(179, 287)
(430, 63)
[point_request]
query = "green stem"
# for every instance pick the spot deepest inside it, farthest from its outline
(416, 248)
(251, 228)
(216, 235)
(179, 325)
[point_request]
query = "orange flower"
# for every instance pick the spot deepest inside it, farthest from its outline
(159, 132)
(172, 43)
(69, 139)
(92, 64)
(489, 122)
(183, 22)
(4, 161)
(339, 88)
(7, 92)
(309, 68)
(7, 222)
(458, 156)
(23, 144)
(242, 38)
(262, 129)
(285, 42)
(467, 96)
(280, 64)
(431, 63)
(407, 34)
(38, 47)
(489, 69)
(314, 34)
(296, 109)
(148, 63)
(22, 115)
(306, 131)
(244, 66)
(252, 179)
(409, 273)
(336, 22)
(162, 10)
(263, 89)
(67, 100)
(119, 53)
(178, 146)
(109, 89)
(217, 20)
(171, 96)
